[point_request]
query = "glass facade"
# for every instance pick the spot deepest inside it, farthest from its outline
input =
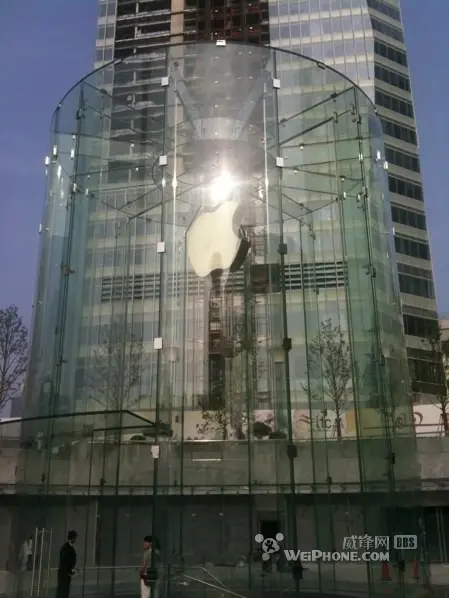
(218, 347)
(337, 32)
(364, 39)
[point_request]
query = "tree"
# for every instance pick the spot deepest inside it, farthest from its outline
(438, 349)
(13, 353)
(226, 412)
(390, 404)
(117, 367)
(330, 361)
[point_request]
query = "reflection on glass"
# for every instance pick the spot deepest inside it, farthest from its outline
(224, 334)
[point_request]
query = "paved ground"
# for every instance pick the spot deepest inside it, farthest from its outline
(353, 578)
(231, 582)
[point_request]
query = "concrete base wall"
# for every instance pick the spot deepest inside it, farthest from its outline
(83, 465)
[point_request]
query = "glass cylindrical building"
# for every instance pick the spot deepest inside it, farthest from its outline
(218, 350)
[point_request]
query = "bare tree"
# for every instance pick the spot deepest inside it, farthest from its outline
(330, 362)
(117, 367)
(225, 411)
(439, 364)
(388, 404)
(13, 353)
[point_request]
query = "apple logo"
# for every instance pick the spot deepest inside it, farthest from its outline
(214, 241)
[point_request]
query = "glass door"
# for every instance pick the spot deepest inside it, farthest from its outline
(40, 575)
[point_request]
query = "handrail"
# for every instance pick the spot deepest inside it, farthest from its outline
(212, 576)
(210, 585)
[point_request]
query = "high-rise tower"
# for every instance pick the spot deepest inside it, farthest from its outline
(363, 39)
(218, 333)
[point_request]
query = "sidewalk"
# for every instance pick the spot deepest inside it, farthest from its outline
(356, 572)
(352, 578)
(348, 579)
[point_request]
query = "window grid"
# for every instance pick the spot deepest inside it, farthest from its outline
(399, 131)
(403, 187)
(408, 218)
(392, 77)
(411, 247)
(402, 159)
(391, 102)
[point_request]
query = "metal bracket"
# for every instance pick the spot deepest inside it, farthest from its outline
(187, 103)
(279, 162)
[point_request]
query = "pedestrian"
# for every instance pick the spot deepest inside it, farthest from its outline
(297, 572)
(150, 573)
(26, 555)
(67, 565)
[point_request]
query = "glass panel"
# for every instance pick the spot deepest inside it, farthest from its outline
(218, 353)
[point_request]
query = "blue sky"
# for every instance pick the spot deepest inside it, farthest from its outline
(47, 45)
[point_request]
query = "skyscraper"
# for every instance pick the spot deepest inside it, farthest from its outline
(363, 39)
(218, 344)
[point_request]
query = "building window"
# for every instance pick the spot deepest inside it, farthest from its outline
(403, 187)
(416, 326)
(408, 218)
(398, 131)
(386, 100)
(392, 77)
(398, 158)
(416, 286)
(385, 9)
(412, 248)
(390, 53)
(422, 370)
(106, 9)
(387, 30)
(414, 271)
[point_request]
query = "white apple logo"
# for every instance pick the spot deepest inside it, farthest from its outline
(214, 241)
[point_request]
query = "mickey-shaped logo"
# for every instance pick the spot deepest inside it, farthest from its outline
(269, 545)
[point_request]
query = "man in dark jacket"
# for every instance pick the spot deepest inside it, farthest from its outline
(67, 564)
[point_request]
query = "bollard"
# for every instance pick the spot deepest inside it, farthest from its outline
(385, 574)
